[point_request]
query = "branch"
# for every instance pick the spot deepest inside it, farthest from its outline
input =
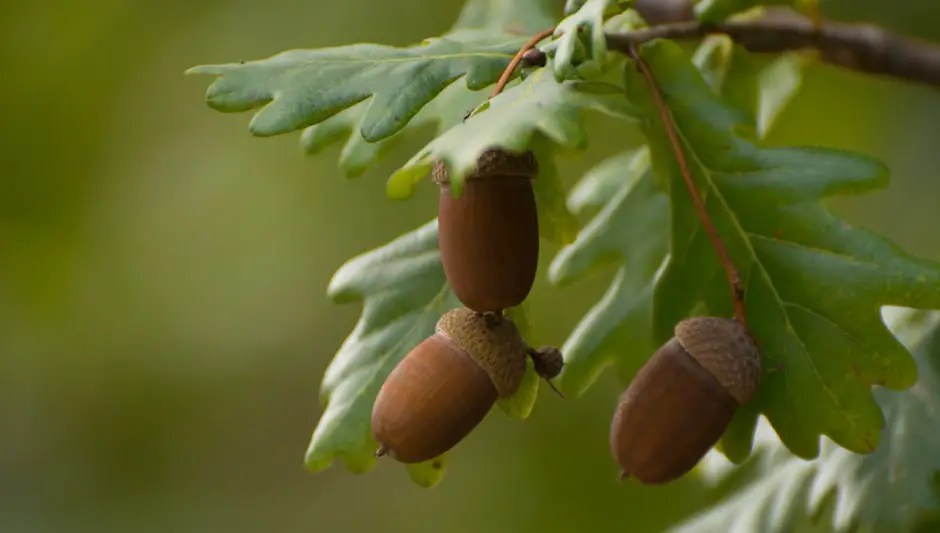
(860, 47)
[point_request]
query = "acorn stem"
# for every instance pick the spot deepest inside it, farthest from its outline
(734, 279)
(554, 388)
(511, 67)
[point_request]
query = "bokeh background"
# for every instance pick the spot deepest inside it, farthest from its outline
(163, 318)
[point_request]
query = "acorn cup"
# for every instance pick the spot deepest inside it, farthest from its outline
(447, 384)
(489, 235)
(682, 400)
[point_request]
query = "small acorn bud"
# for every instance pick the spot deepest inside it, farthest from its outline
(489, 235)
(548, 363)
(533, 57)
(682, 400)
(447, 384)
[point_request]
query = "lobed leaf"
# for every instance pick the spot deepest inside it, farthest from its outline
(889, 490)
(358, 155)
(718, 10)
(814, 284)
(300, 88)
(580, 35)
(404, 293)
(630, 229)
(513, 20)
(515, 120)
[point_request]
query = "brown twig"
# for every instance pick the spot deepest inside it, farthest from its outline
(734, 280)
(507, 73)
(860, 47)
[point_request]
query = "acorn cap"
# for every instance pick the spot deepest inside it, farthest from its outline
(493, 163)
(494, 343)
(723, 347)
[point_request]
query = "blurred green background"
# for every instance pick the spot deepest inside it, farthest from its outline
(163, 318)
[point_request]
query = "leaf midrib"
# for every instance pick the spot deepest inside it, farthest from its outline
(436, 57)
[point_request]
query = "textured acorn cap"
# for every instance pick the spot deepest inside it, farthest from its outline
(723, 347)
(493, 162)
(494, 343)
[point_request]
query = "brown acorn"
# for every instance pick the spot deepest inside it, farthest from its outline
(682, 400)
(447, 384)
(489, 235)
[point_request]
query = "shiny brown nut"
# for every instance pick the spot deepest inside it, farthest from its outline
(489, 235)
(446, 385)
(682, 400)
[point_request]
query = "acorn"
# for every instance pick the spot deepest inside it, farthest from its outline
(447, 384)
(489, 235)
(682, 400)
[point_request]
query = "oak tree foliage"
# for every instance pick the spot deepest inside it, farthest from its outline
(815, 286)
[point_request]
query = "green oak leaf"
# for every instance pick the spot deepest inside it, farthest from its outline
(631, 230)
(404, 292)
(513, 20)
(757, 89)
(358, 155)
(572, 6)
(429, 473)
(889, 490)
(779, 82)
(718, 10)
(519, 17)
(814, 284)
(517, 119)
(580, 35)
(299, 88)
(556, 223)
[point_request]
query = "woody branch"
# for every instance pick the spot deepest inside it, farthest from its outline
(860, 47)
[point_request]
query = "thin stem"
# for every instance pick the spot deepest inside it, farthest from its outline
(859, 47)
(554, 388)
(507, 73)
(734, 280)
